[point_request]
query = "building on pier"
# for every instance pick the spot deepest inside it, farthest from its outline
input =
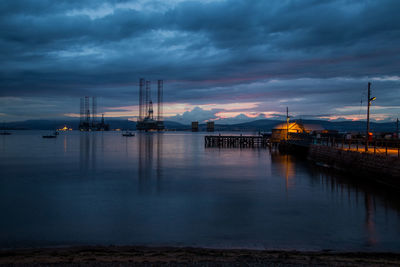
(284, 130)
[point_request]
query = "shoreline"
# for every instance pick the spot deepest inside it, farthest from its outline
(183, 256)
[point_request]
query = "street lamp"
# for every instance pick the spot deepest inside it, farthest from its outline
(370, 99)
(287, 123)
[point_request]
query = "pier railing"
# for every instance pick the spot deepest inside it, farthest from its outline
(375, 146)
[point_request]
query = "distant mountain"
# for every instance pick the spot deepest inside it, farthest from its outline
(40, 124)
(74, 124)
(172, 125)
(356, 126)
(265, 125)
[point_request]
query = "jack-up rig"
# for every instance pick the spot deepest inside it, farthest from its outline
(147, 120)
(88, 118)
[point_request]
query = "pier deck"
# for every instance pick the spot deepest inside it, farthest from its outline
(390, 148)
(236, 141)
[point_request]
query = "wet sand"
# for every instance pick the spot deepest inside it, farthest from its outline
(169, 256)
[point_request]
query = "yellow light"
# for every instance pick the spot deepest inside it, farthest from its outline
(65, 128)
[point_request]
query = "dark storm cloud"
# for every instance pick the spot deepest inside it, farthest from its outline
(206, 51)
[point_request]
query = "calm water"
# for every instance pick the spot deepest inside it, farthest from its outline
(167, 189)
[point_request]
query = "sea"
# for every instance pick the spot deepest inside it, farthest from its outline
(168, 189)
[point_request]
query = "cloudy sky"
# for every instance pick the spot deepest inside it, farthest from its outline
(229, 60)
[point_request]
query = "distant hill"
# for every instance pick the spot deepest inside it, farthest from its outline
(74, 124)
(40, 124)
(264, 125)
(356, 126)
(267, 125)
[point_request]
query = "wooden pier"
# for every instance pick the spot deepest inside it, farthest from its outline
(240, 141)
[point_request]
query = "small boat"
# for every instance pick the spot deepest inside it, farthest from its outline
(49, 136)
(128, 134)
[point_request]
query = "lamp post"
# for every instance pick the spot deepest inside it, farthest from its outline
(370, 99)
(287, 123)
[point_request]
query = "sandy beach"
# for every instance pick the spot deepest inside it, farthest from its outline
(170, 256)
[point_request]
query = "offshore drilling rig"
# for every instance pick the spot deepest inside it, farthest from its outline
(147, 121)
(88, 118)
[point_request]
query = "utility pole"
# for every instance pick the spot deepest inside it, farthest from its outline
(287, 123)
(397, 128)
(370, 99)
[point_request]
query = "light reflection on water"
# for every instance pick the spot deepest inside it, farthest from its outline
(167, 189)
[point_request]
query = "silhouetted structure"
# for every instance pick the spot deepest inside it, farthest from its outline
(146, 120)
(102, 126)
(88, 118)
(210, 126)
(195, 126)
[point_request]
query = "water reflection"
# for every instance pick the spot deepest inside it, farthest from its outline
(358, 192)
(370, 219)
(3, 143)
(65, 143)
(353, 192)
(147, 144)
(159, 160)
(286, 165)
(152, 182)
(88, 150)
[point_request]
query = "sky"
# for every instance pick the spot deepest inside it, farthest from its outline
(223, 60)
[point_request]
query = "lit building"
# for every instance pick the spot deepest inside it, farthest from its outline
(281, 131)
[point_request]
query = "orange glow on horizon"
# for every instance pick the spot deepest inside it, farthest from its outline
(232, 110)
(224, 115)
(232, 114)
(376, 117)
(173, 109)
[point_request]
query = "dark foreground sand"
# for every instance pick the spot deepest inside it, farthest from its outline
(167, 256)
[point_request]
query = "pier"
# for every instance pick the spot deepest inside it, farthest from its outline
(380, 163)
(382, 147)
(239, 141)
(380, 167)
(382, 160)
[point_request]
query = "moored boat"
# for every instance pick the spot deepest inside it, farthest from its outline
(128, 134)
(49, 136)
